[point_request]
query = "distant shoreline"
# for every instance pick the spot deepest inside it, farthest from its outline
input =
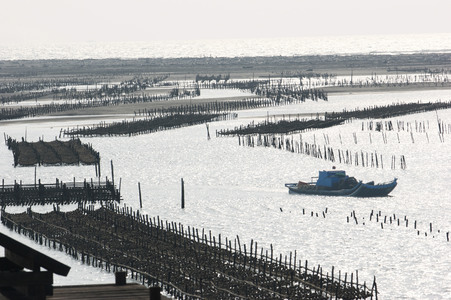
(237, 67)
(126, 111)
(116, 70)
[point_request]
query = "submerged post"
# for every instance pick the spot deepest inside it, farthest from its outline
(140, 199)
(208, 132)
(183, 193)
(121, 278)
(98, 165)
(155, 293)
(112, 172)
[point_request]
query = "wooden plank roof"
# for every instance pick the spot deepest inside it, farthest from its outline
(29, 258)
(106, 291)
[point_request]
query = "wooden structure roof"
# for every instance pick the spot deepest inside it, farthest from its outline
(107, 292)
(18, 283)
(29, 258)
(36, 284)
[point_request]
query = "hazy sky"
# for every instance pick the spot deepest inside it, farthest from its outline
(144, 20)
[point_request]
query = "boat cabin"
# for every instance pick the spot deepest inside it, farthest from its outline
(331, 179)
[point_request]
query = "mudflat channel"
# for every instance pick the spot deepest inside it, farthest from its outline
(115, 70)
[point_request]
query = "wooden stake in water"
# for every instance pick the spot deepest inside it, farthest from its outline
(183, 193)
(112, 172)
(208, 132)
(140, 199)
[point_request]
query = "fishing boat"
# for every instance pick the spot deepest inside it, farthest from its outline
(337, 183)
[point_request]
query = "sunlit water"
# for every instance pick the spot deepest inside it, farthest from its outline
(236, 190)
(355, 44)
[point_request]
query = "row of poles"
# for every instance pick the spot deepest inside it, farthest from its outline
(393, 219)
(365, 159)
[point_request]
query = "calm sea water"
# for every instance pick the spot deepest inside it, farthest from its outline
(374, 44)
(244, 195)
(234, 190)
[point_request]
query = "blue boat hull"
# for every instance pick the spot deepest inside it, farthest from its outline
(378, 190)
(359, 190)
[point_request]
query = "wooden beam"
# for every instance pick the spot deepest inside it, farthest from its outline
(27, 257)
(23, 261)
(25, 278)
(7, 265)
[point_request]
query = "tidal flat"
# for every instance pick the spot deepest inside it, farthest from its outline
(236, 190)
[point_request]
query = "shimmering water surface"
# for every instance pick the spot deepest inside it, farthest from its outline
(236, 190)
(375, 44)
